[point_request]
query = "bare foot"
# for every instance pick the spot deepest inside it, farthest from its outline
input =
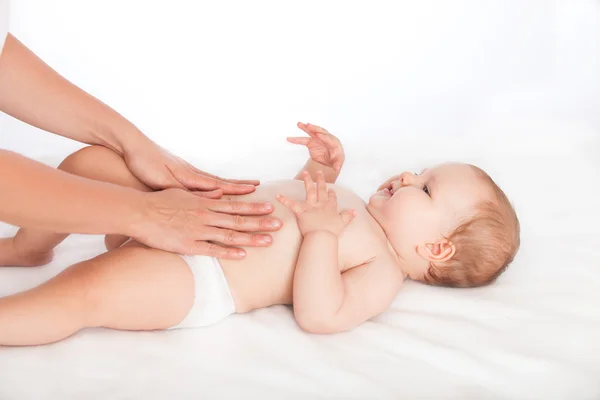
(11, 256)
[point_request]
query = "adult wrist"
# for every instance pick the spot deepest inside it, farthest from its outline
(120, 136)
(135, 214)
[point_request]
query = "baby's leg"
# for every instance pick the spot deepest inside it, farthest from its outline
(31, 247)
(130, 288)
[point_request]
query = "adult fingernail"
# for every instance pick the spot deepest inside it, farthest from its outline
(264, 239)
(275, 223)
(268, 206)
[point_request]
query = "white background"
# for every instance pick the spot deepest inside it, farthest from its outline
(211, 80)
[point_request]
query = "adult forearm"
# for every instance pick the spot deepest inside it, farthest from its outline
(34, 93)
(318, 285)
(37, 196)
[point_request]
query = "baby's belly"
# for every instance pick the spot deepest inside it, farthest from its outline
(265, 276)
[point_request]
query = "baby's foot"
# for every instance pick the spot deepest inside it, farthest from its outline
(11, 256)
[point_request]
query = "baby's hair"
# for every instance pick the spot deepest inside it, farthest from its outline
(486, 243)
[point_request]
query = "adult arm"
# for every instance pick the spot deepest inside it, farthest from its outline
(37, 196)
(34, 93)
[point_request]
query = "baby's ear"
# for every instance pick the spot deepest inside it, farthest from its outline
(440, 251)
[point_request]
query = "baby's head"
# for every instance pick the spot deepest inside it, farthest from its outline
(451, 225)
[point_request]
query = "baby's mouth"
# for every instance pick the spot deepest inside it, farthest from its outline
(386, 192)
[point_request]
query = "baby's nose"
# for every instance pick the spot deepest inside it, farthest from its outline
(407, 178)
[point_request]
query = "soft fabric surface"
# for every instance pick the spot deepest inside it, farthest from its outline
(533, 334)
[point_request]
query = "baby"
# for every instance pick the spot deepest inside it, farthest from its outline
(451, 225)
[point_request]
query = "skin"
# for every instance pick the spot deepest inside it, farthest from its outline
(187, 213)
(430, 206)
(337, 260)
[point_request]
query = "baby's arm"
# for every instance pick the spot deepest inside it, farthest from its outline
(312, 167)
(327, 301)
(326, 152)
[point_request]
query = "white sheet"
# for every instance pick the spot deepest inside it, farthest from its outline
(534, 334)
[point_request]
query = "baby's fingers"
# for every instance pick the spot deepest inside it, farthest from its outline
(329, 139)
(316, 129)
(331, 198)
(299, 140)
(311, 191)
(293, 205)
(347, 216)
(304, 128)
(337, 159)
(321, 187)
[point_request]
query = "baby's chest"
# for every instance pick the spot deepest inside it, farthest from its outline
(360, 243)
(363, 239)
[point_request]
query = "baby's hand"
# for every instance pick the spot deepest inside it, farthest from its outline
(323, 147)
(319, 212)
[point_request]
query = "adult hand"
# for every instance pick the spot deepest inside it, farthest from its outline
(159, 169)
(182, 222)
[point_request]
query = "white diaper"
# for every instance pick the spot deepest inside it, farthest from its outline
(212, 297)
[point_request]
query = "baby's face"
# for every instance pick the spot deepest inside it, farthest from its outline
(415, 210)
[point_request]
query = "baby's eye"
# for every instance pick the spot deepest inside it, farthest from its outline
(426, 190)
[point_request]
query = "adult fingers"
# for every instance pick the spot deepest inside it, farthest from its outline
(231, 206)
(230, 237)
(200, 181)
(242, 223)
(253, 182)
(212, 194)
(214, 250)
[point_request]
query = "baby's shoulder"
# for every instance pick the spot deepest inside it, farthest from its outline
(382, 275)
(364, 241)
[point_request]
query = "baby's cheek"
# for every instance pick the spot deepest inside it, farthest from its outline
(405, 210)
(398, 205)
(376, 201)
